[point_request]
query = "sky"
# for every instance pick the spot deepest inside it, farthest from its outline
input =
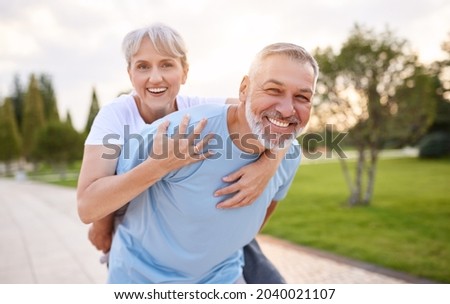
(78, 42)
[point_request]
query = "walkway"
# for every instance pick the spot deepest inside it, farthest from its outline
(43, 241)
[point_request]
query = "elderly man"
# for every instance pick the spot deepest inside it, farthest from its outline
(173, 232)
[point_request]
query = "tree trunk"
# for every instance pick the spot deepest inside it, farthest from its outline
(347, 176)
(355, 197)
(371, 173)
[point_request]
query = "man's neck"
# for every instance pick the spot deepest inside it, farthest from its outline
(237, 124)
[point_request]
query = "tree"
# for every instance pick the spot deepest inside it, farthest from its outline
(48, 98)
(436, 143)
(442, 69)
(9, 134)
(366, 89)
(68, 120)
(18, 100)
(33, 117)
(92, 112)
(58, 144)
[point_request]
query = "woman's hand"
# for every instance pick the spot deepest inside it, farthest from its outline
(249, 182)
(180, 149)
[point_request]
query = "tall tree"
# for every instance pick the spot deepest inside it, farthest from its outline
(68, 120)
(9, 134)
(357, 91)
(92, 112)
(48, 97)
(33, 117)
(18, 100)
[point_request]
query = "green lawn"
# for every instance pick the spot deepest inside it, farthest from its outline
(406, 228)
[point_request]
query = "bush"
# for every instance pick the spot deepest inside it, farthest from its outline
(435, 145)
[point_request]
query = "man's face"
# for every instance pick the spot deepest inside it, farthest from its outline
(278, 100)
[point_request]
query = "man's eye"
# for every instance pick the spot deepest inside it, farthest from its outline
(143, 67)
(167, 65)
(273, 90)
(302, 98)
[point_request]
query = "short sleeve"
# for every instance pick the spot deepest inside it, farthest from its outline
(105, 128)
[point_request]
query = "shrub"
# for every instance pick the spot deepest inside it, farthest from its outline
(435, 145)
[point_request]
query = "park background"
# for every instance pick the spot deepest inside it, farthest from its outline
(374, 184)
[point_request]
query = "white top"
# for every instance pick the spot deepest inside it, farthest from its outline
(120, 118)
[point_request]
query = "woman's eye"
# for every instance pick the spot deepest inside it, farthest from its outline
(167, 65)
(143, 67)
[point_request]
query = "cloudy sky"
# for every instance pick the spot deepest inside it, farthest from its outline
(78, 42)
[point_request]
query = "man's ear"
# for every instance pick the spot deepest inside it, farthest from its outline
(243, 89)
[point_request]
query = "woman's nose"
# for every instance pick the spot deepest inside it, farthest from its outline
(155, 76)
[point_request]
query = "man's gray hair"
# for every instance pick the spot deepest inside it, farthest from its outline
(166, 41)
(292, 51)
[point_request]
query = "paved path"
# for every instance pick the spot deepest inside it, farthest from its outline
(43, 241)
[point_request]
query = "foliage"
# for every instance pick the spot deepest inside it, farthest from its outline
(375, 89)
(33, 117)
(9, 133)
(441, 124)
(92, 112)
(68, 120)
(407, 230)
(58, 144)
(48, 97)
(435, 145)
(18, 100)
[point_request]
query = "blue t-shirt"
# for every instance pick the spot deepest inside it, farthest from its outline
(173, 232)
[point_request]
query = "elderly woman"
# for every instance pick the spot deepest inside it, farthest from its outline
(157, 67)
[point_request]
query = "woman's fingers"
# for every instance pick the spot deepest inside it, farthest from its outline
(197, 130)
(240, 199)
(183, 127)
(199, 147)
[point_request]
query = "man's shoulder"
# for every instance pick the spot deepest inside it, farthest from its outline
(203, 111)
(214, 113)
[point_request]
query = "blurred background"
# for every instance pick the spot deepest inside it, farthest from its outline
(374, 185)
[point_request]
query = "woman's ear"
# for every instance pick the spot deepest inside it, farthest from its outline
(185, 74)
(243, 89)
(129, 74)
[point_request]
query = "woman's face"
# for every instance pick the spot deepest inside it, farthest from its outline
(156, 78)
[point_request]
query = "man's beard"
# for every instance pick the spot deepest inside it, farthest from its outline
(271, 141)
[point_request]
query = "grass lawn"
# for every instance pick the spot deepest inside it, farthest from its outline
(406, 228)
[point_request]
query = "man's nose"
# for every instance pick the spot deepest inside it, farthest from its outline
(286, 107)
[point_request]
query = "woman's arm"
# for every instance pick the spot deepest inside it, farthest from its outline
(100, 192)
(250, 181)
